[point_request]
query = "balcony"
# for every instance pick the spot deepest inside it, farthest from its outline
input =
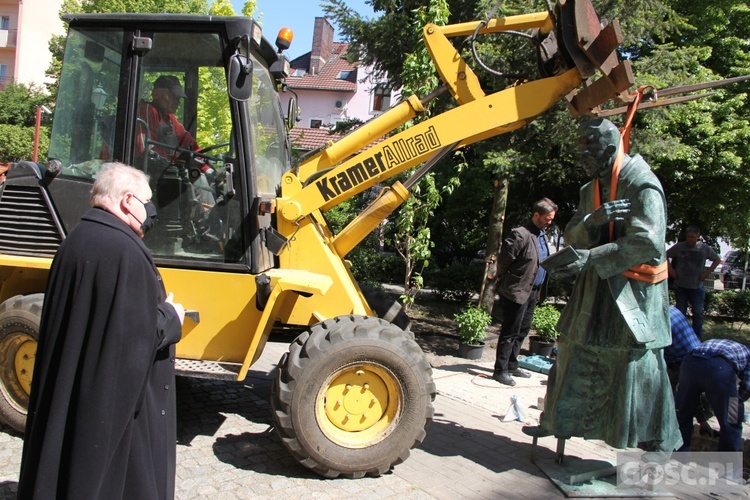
(8, 38)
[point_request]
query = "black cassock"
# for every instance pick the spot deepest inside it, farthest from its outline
(101, 420)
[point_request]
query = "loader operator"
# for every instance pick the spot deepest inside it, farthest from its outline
(168, 139)
(163, 126)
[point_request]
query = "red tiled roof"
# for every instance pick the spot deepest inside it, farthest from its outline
(307, 139)
(311, 138)
(326, 79)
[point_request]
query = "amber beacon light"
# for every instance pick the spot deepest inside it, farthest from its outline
(284, 38)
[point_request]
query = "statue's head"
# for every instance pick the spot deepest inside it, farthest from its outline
(598, 145)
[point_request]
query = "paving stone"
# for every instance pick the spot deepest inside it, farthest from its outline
(227, 449)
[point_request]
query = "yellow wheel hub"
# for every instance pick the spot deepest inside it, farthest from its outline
(359, 404)
(24, 364)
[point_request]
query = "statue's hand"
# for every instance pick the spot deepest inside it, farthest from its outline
(573, 268)
(608, 212)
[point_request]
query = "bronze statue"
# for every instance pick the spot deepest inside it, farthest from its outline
(609, 381)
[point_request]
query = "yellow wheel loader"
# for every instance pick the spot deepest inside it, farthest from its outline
(241, 237)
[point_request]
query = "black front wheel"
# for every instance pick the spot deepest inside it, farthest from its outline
(352, 396)
(19, 331)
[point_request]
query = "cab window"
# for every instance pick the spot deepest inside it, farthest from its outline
(183, 139)
(82, 131)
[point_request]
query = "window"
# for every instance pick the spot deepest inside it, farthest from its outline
(196, 219)
(299, 72)
(343, 75)
(268, 132)
(184, 109)
(381, 98)
(4, 23)
(316, 123)
(83, 133)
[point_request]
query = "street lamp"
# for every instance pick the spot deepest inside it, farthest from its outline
(98, 98)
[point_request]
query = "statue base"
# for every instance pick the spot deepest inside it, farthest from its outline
(583, 478)
(588, 478)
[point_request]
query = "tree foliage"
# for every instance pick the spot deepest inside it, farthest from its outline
(250, 8)
(412, 238)
(146, 6)
(18, 108)
(17, 143)
(19, 102)
(699, 150)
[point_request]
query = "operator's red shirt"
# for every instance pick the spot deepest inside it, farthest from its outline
(163, 129)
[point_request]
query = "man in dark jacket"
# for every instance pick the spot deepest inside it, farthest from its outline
(101, 421)
(520, 280)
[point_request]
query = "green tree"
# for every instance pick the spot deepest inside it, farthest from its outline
(697, 149)
(250, 8)
(17, 143)
(412, 239)
(19, 102)
(700, 150)
(221, 8)
(18, 108)
(146, 6)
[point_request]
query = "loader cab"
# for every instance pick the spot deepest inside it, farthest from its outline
(155, 95)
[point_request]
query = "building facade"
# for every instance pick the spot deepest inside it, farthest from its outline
(26, 27)
(330, 89)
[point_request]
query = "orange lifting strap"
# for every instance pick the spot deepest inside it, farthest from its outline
(641, 272)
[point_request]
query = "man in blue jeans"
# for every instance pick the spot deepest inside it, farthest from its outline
(684, 341)
(721, 369)
(687, 265)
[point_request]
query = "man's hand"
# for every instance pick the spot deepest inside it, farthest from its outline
(573, 268)
(177, 307)
(608, 212)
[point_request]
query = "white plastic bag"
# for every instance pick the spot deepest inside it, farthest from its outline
(517, 410)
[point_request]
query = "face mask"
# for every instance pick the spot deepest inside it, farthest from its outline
(148, 222)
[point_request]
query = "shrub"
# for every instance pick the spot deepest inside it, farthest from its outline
(17, 143)
(710, 305)
(456, 282)
(472, 324)
(370, 266)
(545, 322)
(560, 287)
(735, 305)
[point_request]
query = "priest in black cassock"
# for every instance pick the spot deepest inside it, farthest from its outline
(101, 421)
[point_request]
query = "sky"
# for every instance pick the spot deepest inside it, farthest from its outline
(299, 15)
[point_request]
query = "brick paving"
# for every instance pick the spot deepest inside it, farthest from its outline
(227, 448)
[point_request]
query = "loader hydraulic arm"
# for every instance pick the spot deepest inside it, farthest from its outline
(571, 45)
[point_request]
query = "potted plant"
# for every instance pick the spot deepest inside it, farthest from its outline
(472, 327)
(544, 323)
